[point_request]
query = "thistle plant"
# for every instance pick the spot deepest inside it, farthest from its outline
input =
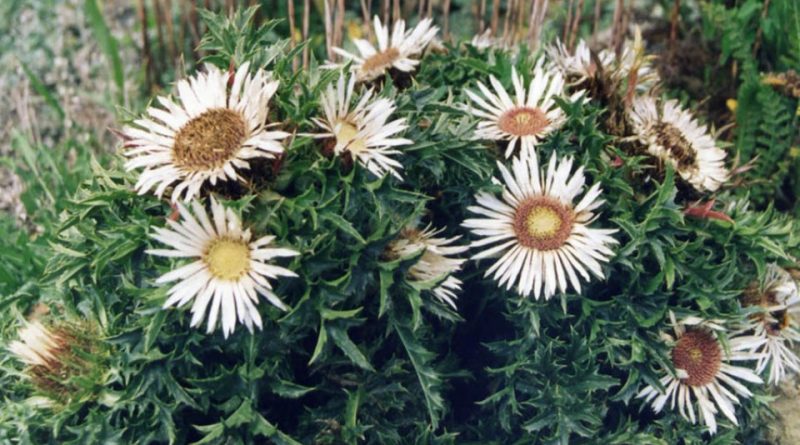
(561, 258)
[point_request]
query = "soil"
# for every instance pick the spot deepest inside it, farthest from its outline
(785, 430)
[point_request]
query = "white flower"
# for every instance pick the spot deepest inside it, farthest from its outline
(527, 118)
(703, 373)
(778, 299)
(37, 346)
(578, 64)
(674, 136)
(486, 41)
(209, 136)
(400, 53)
(362, 130)
(436, 263)
(544, 239)
(229, 270)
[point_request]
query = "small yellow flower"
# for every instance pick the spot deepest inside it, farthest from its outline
(732, 104)
(773, 79)
(794, 152)
(354, 30)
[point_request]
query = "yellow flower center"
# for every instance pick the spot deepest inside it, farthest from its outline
(380, 61)
(209, 140)
(523, 121)
(228, 259)
(543, 223)
(346, 136)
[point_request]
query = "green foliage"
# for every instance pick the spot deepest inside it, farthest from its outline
(766, 122)
(365, 355)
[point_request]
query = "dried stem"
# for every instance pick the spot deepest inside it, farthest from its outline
(538, 12)
(141, 12)
(292, 31)
(193, 22)
(567, 22)
(338, 30)
(365, 14)
(386, 12)
(495, 16)
(576, 21)
(306, 16)
(446, 11)
(598, 9)
(618, 26)
(481, 14)
(328, 22)
(519, 19)
(673, 28)
(760, 31)
(170, 26)
(159, 16)
(396, 14)
(507, 19)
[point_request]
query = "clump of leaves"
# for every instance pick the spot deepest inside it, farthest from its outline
(366, 355)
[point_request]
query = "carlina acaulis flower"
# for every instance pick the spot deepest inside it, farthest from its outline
(400, 51)
(703, 373)
(57, 356)
(542, 238)
(777, 300)
(525, 119)
(674, 136)
(361, 130)
(213, 133)
(229, 271)
(438, 261)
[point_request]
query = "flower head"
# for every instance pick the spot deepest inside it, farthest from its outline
(578, 65)
(436, 263)
(703, 373)
(37, 346)
(543, 237)
(674, 136)
(525, 119)
(55, 355)
(581, 65)
(401, 52)
(362, 130)
(210, 135)
(229, 271)
(777, 299)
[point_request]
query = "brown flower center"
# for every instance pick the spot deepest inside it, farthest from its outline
(228, 259)
(380, 61)
(774, 322)
(543, 223)
(209, 140)
(523, 121)
(679, 148)
(699, 354)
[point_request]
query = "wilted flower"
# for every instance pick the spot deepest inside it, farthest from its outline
(436, 263)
